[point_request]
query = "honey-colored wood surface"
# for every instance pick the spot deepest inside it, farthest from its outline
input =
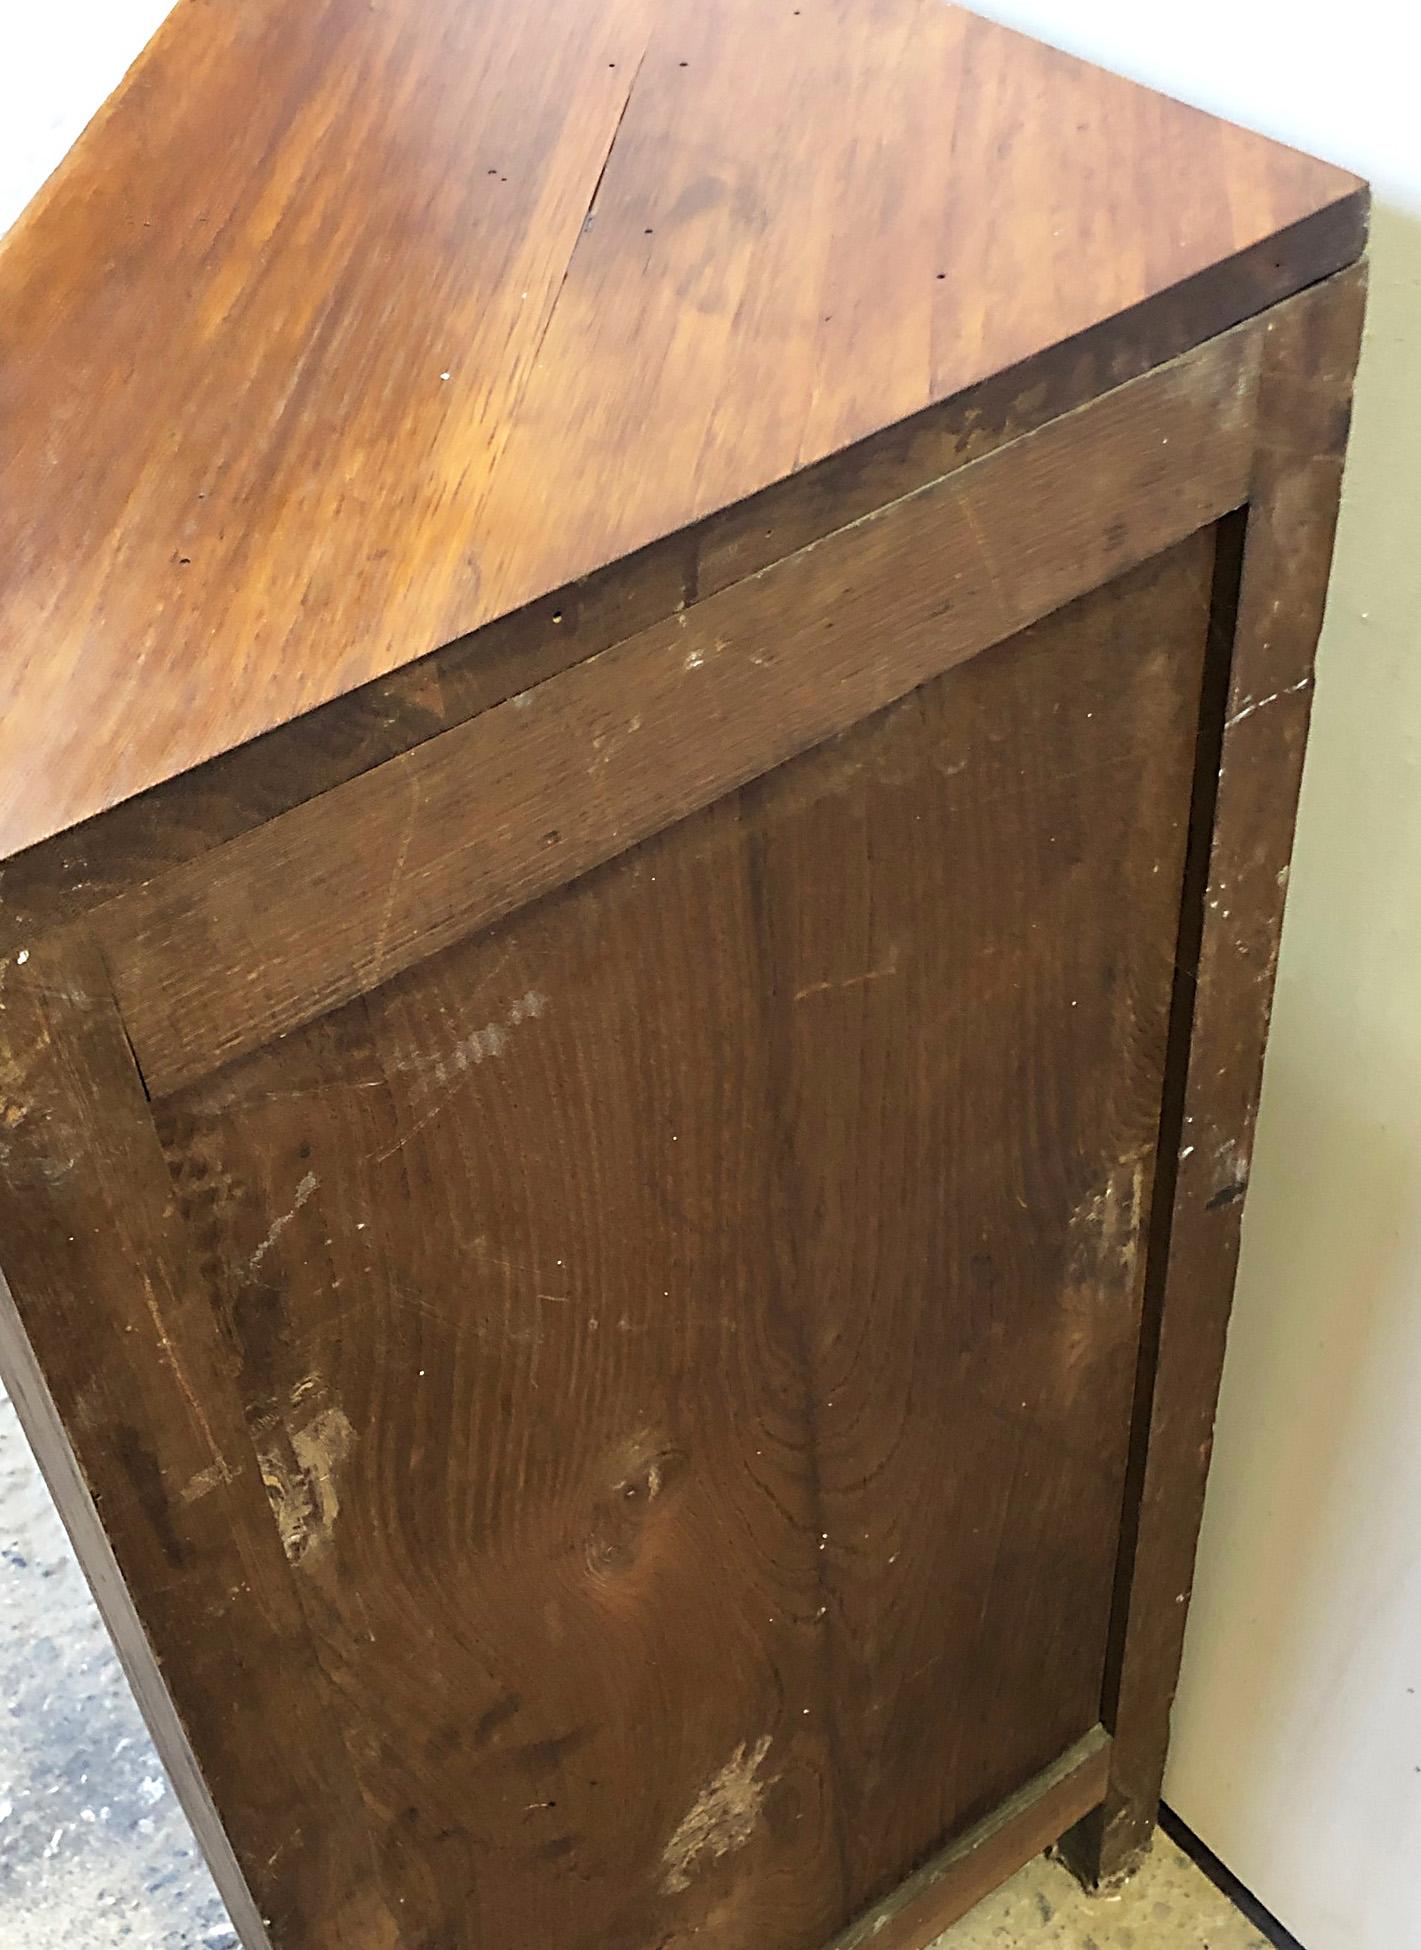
(348, 327)
(694, 1466)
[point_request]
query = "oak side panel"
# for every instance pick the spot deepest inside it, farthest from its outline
(669, 1430)
(1252, 765)
(336, 896)
(113, 1338)
(1015, 1173)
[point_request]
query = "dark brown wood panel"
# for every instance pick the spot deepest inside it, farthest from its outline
(1245, 802)
(347, 328)
(221, 955)
(700, 1461)
(990, 1114)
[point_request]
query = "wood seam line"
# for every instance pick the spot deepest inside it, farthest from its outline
(587, 215)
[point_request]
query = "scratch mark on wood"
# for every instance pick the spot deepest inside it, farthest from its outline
(890, 967)
(963, 498)
(491, 1039)
(443, 1073)
(1257, 704)
(377, 960)
(189, 1393)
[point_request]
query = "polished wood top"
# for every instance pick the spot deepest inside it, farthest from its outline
(351, 325)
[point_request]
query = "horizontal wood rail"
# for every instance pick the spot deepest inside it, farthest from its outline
(945, 1888)
(216, 959)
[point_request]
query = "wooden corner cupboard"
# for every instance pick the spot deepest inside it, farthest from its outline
(655, 658)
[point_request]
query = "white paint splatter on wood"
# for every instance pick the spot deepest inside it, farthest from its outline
(300, 1470)
(888, 967)
(722, 1818)
(278, 1226)
(531, 1004)
(206, 1480)
(490, 1040)
(1108, 1227)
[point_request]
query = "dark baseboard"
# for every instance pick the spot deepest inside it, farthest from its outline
(1224, 1879)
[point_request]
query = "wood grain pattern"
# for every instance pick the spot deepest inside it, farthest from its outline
(1250, 779)
(219, 957)
(668, 1431)
(667, 254)
(943, 1890)
(108, 1306)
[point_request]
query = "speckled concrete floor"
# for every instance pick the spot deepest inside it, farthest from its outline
(96, 1855)
(1169, 1905)
(94, 1852)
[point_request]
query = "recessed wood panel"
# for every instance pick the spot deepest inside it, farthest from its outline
(688, 1330)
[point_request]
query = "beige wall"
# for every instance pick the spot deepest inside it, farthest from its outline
(1298, 1731)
